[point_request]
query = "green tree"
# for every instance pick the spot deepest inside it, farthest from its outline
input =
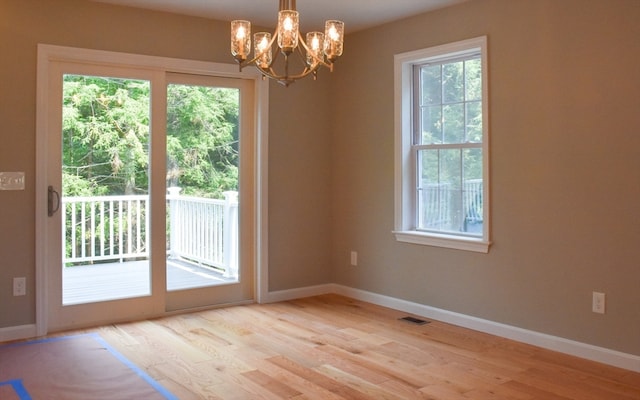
(202, 139)
(105, 128)
(451, 102)
(106, 137)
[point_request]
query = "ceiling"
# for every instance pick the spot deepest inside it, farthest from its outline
(356, 14)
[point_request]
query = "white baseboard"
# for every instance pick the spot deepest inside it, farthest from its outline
(298, 293)
(17, 332)
(562, 345)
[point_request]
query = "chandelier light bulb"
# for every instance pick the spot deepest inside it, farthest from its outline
(333, 33)
(288, 24)
(264, 42)
(241, 34)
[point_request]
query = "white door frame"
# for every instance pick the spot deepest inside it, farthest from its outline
(50, 53)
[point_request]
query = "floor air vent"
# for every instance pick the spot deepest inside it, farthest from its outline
(416, 321)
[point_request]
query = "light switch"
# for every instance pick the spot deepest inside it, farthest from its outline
(11, 180)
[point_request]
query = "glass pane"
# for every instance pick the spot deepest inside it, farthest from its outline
(429, 167)
(450, 197)
(453, 82)
(432, 125)
(439, 191)
(472, 162)
(473, 193)
(453, 123)
(450, 167)
(473, 80)
(431, 85)
(450, 175)
(105, 188)
(431, 208)
(202, 182)
(474, 121)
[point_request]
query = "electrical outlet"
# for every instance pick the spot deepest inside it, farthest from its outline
(598, 304)
(19, 286)
(354, 258)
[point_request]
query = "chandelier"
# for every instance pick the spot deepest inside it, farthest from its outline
(318, 50)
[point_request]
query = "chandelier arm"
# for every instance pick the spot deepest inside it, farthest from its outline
(286, 79)
(304, 73)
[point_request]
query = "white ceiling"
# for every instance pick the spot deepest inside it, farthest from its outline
(356, 14)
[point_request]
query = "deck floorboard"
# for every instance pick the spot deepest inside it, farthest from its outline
(110, 281)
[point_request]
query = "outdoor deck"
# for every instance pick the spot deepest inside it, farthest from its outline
(101, 282)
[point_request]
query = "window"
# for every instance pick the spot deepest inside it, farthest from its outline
(442, 151)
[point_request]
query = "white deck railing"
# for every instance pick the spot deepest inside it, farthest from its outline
(115, 228)
(204, 230)
(442, 206)
(104, 228)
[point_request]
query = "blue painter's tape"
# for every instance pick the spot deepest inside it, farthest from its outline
(18, 387)
(159, 388)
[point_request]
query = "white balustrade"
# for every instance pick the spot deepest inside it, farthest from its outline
(443, 206)
(116, 228)
(104, 228)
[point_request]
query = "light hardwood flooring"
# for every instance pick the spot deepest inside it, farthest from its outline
(332, 347)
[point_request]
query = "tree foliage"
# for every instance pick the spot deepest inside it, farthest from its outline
(202, 139)
(106, 137)
(451, 103)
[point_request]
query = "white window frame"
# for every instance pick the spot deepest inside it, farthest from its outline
(405, 163)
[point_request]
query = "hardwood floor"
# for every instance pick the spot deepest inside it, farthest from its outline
(332, 347)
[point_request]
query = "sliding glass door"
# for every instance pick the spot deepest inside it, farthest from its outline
(208, 133)
(150, 192)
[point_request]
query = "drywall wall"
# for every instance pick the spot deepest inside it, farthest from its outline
(564, 167)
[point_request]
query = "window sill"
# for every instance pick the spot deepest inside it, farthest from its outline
(440, 240)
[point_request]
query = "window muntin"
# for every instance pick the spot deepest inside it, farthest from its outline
(442, 146)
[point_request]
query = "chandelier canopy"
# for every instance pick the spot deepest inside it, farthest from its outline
(319, 49)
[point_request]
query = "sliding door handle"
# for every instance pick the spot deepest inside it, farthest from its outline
(53, 201)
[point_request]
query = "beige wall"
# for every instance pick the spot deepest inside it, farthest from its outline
(299, 176)
(564, 164)
(565, 169)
